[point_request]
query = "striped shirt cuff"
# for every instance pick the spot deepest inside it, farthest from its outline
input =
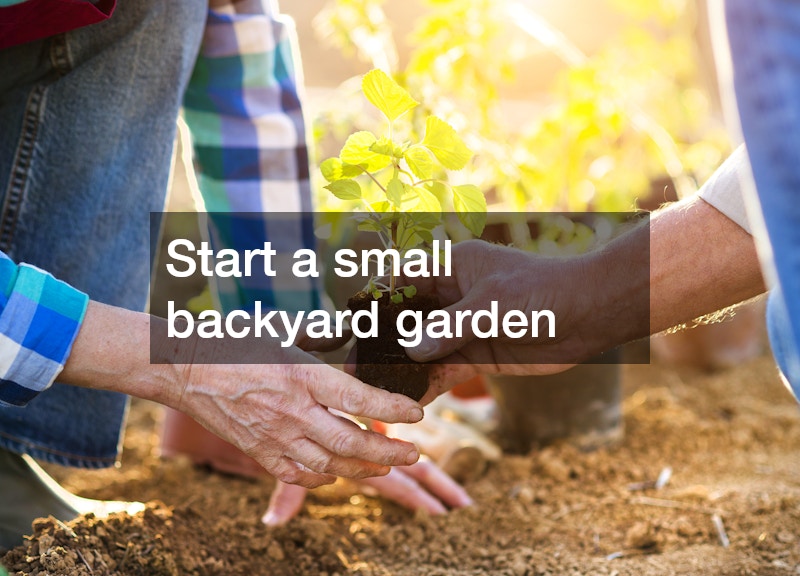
(39, 320)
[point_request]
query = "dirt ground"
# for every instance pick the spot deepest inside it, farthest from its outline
(732, 440)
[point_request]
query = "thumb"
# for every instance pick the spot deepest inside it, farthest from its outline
(284, 504)
(430, 348)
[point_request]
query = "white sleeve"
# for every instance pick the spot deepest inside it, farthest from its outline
(724, 191)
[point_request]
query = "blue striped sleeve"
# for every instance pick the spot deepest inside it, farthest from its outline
(39, 320)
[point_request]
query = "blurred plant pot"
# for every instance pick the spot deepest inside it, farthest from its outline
(715, 346)
(582, 405)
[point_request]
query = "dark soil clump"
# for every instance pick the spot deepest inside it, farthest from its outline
(382, 361)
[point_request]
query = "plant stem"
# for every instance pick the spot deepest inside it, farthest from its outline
(392, 279)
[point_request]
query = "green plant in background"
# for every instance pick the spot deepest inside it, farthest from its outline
(400, 183)
(618, 121)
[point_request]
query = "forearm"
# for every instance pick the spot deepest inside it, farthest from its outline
(112, 352)
(700, 261)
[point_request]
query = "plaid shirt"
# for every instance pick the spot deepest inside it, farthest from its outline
(39, 319)
(249, 137)
(243, 109)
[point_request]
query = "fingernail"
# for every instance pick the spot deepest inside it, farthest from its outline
(271, 519)
(412, 457)
(415, 414)
(465, 501)
(424, 349)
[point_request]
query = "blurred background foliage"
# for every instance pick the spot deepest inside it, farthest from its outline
(607, 132)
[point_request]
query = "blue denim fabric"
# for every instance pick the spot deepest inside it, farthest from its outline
(765, 46)
(88, 123)
(783, 344)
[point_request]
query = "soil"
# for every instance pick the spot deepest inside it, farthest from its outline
(731, 440)
(382, 361)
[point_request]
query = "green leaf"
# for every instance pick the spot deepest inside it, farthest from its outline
(397, 298)
(394, 191)
(357, 151)
(401, 195)
(387, 95)
(440, 190)
(419, 161)
(425, 235)
(470, 204)
(468, 198)
(427, 201)
(384, 146)
(410, 291)
(425, 221)
(381, 207)
(333, 169)
(441, 139)
(377, 294)
(369, 225)
(388, 218)
(345, 189)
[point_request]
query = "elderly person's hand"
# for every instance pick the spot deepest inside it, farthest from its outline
(269, 401)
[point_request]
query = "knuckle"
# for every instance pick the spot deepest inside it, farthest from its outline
(320, 462)
(343, 443)
(354, 400)
(299, 374)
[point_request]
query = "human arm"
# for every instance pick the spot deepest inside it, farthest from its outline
(688, 261)
(275, 411)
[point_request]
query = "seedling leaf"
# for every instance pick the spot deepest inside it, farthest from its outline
(441, 139)
(470, 204)
(427, 201)
(387, 95)
(402, 196)
(397, 298)
(419, 161)
(357, 151)
(383, 146)
(346, 189)
(394, 191)
(333, 169)
(369, 225)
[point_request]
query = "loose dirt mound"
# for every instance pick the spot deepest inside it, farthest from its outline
(731, 441)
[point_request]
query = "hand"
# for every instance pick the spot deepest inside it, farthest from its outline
(599, 301)
(272, 403)
(278, 414)
(483, 272)
(421, 486)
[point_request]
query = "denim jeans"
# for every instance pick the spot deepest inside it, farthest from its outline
(88, 123)
(764, 38)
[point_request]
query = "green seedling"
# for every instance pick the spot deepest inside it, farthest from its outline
(401, 185)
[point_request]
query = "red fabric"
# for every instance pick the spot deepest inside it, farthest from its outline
(35, 19)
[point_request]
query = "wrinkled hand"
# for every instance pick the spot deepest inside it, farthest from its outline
(275, 409)
(421, 486)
